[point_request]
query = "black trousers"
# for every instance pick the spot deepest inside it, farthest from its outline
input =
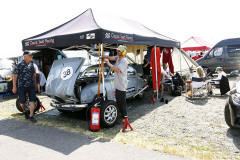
(121, 101)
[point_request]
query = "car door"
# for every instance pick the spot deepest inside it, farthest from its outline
(132, 82)
(215, 58)
(62, 77)
(233, 58)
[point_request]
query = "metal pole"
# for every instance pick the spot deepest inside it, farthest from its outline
(156, 70)
(103, 82)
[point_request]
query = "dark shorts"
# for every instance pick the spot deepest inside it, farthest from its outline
(22, 94)
(38, 78)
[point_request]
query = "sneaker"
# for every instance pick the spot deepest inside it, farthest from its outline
(26, 115)
(32, 120)
(162, 100)
(166, 101)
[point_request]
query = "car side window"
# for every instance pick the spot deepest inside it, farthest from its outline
(131, 71)
(211, 54)
(233, 50)
(218, 51)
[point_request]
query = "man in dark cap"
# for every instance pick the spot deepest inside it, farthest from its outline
(25, 74)
(146, 66)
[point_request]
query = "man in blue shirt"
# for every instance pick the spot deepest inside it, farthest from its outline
(25, 74)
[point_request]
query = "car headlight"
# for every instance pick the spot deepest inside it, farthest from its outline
(236, 98)
(8, 77)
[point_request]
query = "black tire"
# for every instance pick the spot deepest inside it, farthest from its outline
(37, 105)
(227, 115)
(108, 114)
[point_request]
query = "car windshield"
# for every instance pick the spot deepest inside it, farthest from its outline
(6, 64)
(94, 72)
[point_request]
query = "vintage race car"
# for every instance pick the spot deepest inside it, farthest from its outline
(72, 90)
(6, 67)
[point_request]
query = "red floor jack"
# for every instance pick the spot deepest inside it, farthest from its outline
(126, 124)
(152, 99)
(41, 107)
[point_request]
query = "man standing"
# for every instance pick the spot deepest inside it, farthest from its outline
(120, 79)
(25, 74)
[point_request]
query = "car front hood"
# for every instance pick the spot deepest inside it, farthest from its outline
(62, 77)
(4, 72)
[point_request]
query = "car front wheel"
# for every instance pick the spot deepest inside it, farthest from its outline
(227, 115)
(108, 114)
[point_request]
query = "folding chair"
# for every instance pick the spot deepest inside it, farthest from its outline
(198, 88)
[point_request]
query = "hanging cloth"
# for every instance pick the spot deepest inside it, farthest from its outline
(167, 58)
(158, 56)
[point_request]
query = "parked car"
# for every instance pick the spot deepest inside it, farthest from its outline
(6, 69)
(225, 53)
(72, 91)
(232, 106)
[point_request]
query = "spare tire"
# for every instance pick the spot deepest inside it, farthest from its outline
(36, 108)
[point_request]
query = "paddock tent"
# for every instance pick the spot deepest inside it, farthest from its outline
(95, 27)
(196, 44)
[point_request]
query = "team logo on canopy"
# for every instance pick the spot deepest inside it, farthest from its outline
(107, 35)
(90, 36)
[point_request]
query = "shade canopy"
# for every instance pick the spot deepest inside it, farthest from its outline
(95, 27)
(196, 44)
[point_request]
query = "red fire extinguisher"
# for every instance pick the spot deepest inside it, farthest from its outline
(95, 119)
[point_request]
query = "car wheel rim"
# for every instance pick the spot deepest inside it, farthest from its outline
(28, 104)
(110, 114)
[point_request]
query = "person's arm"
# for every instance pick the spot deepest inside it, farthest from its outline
(145, 65)
(116, 69)
(111, 58)
(14, 90)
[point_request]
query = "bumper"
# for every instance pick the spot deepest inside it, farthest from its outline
(69, 107)
(3, 87)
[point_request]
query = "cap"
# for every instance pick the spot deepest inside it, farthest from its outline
(146, 56)
(218, 68)
(122, 48)
(27, 53)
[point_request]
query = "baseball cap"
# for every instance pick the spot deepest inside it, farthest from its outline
(218, 68)
(27, 53)
(122, 48)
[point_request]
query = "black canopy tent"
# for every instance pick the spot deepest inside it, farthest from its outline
(94, 27)
(90, 28)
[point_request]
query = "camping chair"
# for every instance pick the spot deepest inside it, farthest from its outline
(223, 85)
(169, 86)
(198, 88)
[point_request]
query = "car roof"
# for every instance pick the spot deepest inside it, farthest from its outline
(226, 42)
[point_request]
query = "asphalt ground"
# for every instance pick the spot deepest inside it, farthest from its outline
(21, 140)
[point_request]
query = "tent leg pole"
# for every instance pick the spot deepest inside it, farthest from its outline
(103, 81)
(156, 70)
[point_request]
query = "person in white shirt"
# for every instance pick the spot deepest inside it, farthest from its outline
(37, 76)
(221, 73)
(167, 74)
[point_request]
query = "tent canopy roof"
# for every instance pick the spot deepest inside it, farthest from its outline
(196, 43)
(95, 27)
